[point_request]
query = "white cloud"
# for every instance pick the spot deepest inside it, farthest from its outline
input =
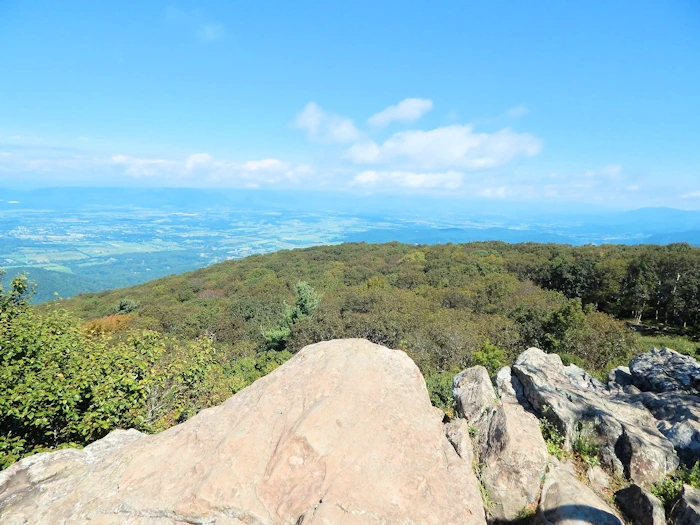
(204, 168)
(518, 111)
(455, 146)
(494, 193)
(325, 127)
(198, 160)
(408, 110)
(408, 179)
(142, 167)
(691, 195)
(266, 165)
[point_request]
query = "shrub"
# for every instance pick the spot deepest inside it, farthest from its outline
(553, 438)
(439, 386)
(587, 447)
(108, 325)
(126, 306)
(490, 356)
(669, 488)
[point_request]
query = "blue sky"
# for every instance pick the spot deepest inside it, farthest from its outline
(593, 103)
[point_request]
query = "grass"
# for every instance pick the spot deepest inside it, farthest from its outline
(553, 438)
(587, 448)
(678, 343)
(526, 515)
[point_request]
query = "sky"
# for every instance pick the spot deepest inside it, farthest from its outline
(592, 103)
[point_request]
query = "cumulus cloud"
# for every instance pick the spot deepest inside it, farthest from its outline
(325, 127)
(408, 110)
(408, 179)
(456, 147)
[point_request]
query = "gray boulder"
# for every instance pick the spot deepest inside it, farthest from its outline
(511, 451)
(686, 511)
(620, 376)
(582, 407)
(640, 507)
(457, 432)
(598, 478)
(678, 418)
(473, 393)
(666, 370)
(567, 501)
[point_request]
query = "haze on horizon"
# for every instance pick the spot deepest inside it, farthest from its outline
(593, 104)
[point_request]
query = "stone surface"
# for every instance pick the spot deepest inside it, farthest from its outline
(620, 376)
(666, 371)
(343, 433)
(686, 511)
(513, 461)
(473, 393)
(567, 501)
(640, 507)
(679, 421)
(457, 432)
(578, 404)
(598, 478)
(512, 453)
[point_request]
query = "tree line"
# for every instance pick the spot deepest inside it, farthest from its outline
(152, 355)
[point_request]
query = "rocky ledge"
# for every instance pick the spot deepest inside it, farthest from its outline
(344, 433)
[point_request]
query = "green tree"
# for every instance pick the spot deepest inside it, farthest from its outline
(306, 300)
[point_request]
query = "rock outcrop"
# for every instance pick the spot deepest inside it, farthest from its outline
(584, 408)
(640, 506)
(511, 451)
(343, 433)
(567, 501)
(666, 371)
(686, 511)
(669, 382)
(678, 418)
(473, 393)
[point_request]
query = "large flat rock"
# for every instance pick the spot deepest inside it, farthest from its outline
(343, 433)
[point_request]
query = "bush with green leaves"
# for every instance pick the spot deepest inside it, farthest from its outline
(586, 446)
(306, 300)
(439, 386)
(62, 385)
(126, 306)
(669, 488)
(553, 438)
(491, 357)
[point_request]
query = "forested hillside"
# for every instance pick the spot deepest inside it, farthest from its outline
(394, 292)
(154, 354)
